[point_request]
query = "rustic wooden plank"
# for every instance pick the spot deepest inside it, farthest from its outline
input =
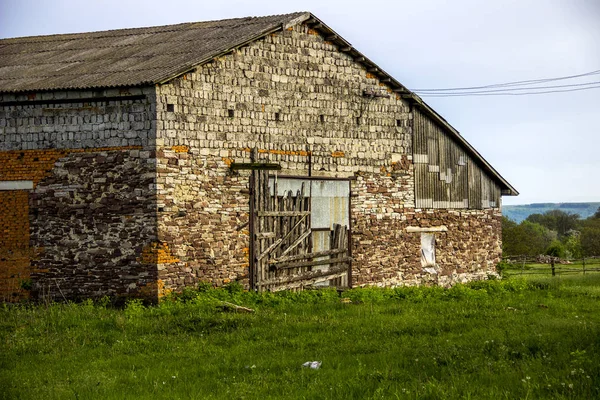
(288, 234)
(254, 166)
(269, 249)
(296, 242)
(265, 235)
(305, 277)
(309, 255)
(309, 282)
(283, 213)
(312, 263)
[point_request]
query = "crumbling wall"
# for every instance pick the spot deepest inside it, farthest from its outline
(81, 228)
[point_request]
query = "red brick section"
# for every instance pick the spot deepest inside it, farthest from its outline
(14, 245)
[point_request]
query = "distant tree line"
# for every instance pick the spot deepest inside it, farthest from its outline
(555, 232)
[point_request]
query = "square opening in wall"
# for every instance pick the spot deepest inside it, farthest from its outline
(277, 116)
(170, 107)
(231, 113)
(398, 122)
(357, 120)
(322, 118)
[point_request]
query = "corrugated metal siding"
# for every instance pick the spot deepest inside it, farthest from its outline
(445, 175)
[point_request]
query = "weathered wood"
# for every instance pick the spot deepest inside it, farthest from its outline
(254, 166)
(312, 263)
(304, 277)
(283, 213)
(296, 242)
(310, 282)
(309, 255)
(453, 179)
(269, 249)
(265, 235)
(283, 236)
(234, 307)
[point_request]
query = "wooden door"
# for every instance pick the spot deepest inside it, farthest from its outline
(284, 252)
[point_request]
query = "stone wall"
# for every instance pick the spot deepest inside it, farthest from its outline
(286, 95)
(77, 119)
(92, 220)
(87, 226)
(386, 254)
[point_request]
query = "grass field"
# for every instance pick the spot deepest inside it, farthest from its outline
(535, 338)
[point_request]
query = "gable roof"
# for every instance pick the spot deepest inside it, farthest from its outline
(123, 57)
(154, 55)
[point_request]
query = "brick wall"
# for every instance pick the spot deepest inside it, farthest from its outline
(14, 245)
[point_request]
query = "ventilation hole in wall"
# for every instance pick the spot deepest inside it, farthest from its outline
(170, 107)
(322, 118)
(230, 113)
(398, 122)
(161, 209)
(36, 159)
(357, 120)
(277, 116)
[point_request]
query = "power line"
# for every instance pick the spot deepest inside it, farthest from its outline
(508, 84)
(506, 94)
(512, 89)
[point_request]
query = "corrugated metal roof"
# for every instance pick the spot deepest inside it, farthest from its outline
(123, 57)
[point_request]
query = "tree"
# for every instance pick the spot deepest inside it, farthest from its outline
(526, 238)
(590, 237)
(573, 245)
(556, 220)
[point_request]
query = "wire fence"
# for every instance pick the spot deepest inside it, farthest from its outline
(548, 265)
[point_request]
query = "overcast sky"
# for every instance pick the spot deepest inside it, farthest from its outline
(547, 146)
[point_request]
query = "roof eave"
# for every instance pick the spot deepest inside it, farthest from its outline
(506, 188)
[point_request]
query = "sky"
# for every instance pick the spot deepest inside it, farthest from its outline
(547, 146)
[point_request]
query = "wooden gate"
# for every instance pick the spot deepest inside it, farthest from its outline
(281, 240)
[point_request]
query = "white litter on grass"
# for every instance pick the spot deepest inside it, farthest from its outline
(312, 364)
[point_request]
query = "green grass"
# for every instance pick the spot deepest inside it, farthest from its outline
(497, 339)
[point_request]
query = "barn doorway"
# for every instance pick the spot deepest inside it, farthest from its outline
(299, 232)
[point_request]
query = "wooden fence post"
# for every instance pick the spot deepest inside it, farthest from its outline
(522, 264)
(553, 270)
(584, 265)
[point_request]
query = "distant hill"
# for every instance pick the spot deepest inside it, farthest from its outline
(520, 212)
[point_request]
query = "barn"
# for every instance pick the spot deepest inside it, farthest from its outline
(263, 150)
